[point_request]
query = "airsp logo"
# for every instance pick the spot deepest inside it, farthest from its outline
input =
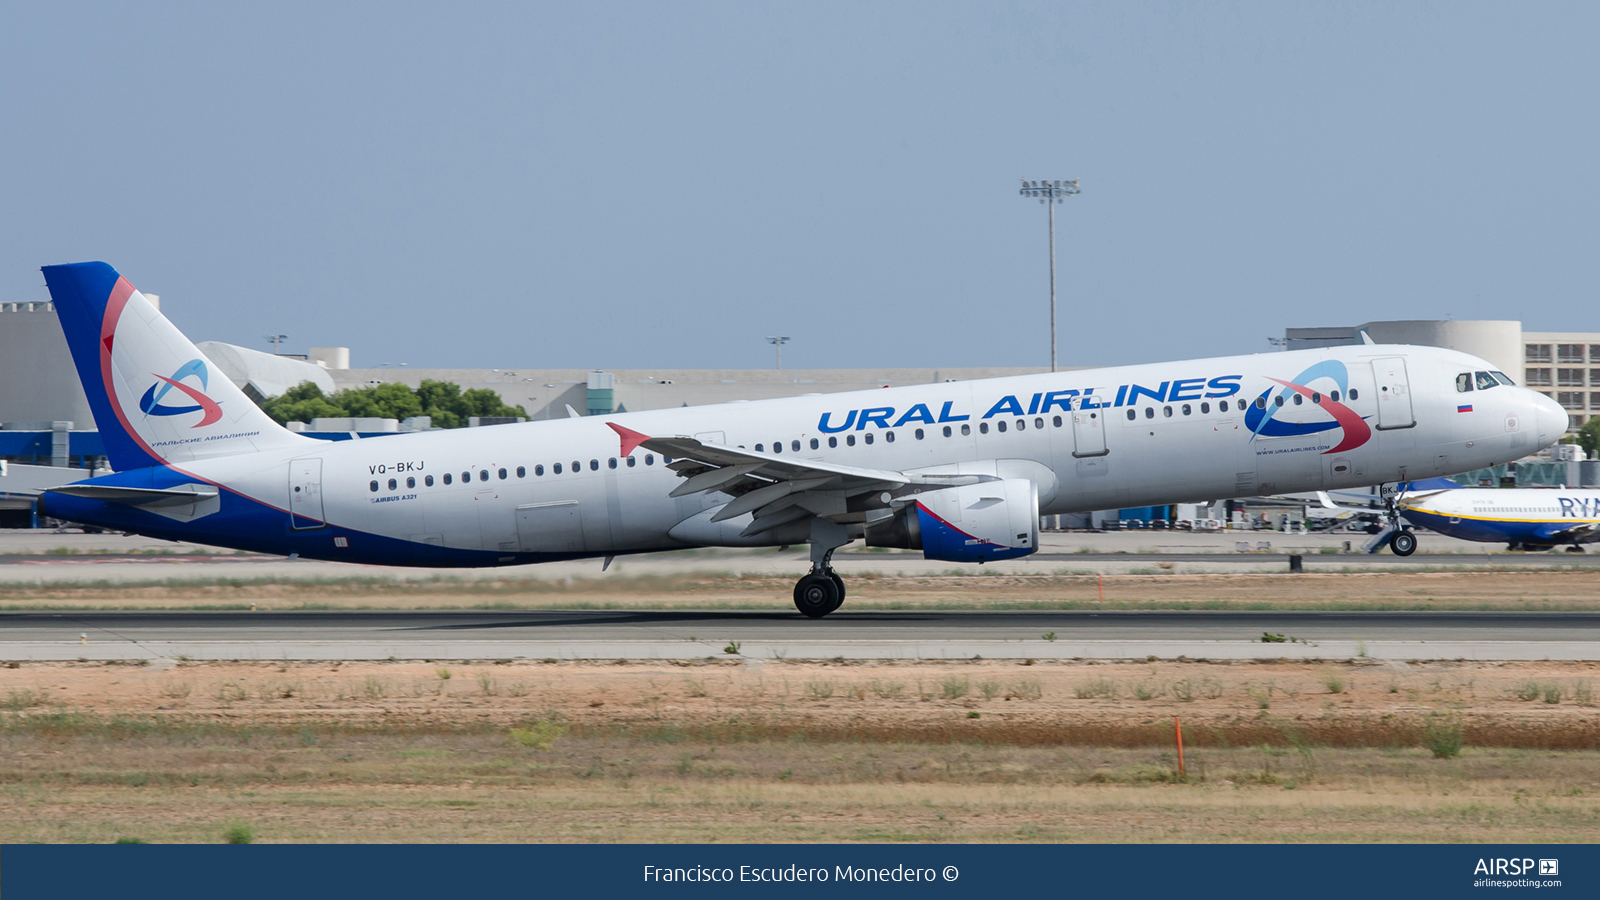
(1514, 867)
(1549, 867)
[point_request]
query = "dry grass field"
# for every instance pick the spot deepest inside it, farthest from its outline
(789, 751)
(1162, 586)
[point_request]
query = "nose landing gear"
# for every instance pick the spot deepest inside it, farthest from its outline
(1403, 543)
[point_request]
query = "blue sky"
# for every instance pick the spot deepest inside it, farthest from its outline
(663, 184)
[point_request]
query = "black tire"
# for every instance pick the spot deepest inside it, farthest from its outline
(1403, 543)
(838, 583)
(816, 596)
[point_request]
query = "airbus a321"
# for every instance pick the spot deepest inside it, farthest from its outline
(961, 471)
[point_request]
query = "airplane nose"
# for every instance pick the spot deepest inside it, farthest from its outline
(1552, 419)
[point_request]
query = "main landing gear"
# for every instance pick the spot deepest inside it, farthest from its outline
(822, 590)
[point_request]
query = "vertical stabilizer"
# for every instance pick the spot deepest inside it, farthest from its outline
(155, 396)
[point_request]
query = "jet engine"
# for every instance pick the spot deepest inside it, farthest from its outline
(972, 523)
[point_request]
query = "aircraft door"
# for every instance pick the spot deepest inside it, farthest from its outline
(1394, 393)
(1088, 433)
(550, 527)
(305, 494)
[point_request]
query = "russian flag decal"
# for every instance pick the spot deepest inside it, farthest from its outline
(1467, 407)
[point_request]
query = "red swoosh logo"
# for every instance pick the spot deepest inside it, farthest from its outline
(212, 411)
(1356, 429)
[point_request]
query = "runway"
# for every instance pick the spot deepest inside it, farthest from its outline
(919, 634)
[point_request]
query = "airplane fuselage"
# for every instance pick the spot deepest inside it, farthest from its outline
(1088, 439)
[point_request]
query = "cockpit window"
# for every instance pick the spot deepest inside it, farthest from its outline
(1464, 382)
(1503, 378)
(1485, 381)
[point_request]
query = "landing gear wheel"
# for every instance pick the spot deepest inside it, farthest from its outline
(1403, 543)
(816, 596)
(838, 583)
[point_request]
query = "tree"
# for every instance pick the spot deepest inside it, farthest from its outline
(449, 406)
(1589, 437)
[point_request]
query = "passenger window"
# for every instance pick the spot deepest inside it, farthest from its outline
(374, 487)
(814, 443)
(447, 478)
(483, 474)
(888, 436)
(649, 459)
(1149, 412)
(1056, 421)
(919, 434)
(833, 442)
(983, 428)
(466, 477)
(1316, 398)
(1354, 394)
(1038, 423)
(1464, 382)
(1000, 426)
(1485, 380)
(867, 437)
(947, 431)
(1022, 424)
(522, 472)
(1205, 408)
(393, 484)
(795, 446)
(1166, 412)
(1132, 414)
(594, 465)
(1298, 400)
(411, 482)
(611, 463)
(966, 430)
(427, 480)
(1261, 403)
(1223, 406)
(632, 462)
(1278, 400)
(850, 440)
(1334, 396)
(1186, 409)
(777, 446)
(538, 471)
(556, 468)
(502, 474)
(761, 448)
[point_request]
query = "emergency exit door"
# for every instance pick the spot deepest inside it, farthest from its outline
(1394, 393)
(305, 494)
(1088, 433)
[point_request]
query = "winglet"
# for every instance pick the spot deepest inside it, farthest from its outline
(630, 439)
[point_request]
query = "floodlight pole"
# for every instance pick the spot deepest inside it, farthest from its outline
(1050, 193)
(778, 342)
(276, 340)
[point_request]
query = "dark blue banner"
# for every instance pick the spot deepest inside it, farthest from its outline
(1169, 872)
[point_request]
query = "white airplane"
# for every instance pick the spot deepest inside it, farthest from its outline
(961, 471)
(1524, 518)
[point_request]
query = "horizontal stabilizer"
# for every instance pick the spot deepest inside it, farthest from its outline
(132, 496)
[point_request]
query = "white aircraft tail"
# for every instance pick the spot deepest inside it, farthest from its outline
(156, 398)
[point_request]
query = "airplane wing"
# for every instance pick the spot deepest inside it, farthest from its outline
(778, 489)
(1581, 532)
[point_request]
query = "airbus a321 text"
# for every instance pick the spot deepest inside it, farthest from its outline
(962, 471)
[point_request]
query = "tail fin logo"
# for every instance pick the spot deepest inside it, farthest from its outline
(150, 404)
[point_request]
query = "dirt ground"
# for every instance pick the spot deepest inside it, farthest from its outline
(1163, 586)
(790, 751)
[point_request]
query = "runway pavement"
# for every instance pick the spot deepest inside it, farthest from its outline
(653, 634)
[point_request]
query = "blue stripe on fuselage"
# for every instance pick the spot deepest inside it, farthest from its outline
(1489, 530)
(243, 523)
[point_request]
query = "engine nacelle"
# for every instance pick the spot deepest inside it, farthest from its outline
(972, 523)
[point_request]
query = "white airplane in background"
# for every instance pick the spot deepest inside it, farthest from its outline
(961, 471)
(1523, 518)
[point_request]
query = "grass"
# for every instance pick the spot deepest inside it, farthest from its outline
(542, 780)
(954, 687)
